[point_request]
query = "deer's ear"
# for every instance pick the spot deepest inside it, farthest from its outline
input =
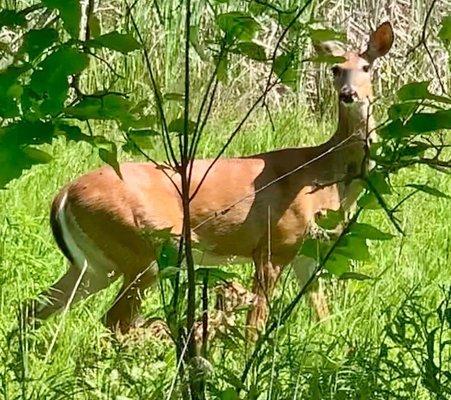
(380, 42)
(329, 48)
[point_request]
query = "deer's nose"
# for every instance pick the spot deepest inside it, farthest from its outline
(347, 94)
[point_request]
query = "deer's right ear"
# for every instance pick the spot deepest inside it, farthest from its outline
(329, 48)
(380, 42)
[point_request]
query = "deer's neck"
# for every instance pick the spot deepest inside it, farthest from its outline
(355, 123)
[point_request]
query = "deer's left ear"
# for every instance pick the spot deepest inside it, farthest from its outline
(380, 42)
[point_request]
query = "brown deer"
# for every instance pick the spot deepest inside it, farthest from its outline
(256, 208)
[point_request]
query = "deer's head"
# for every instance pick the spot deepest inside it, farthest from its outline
(352, 77)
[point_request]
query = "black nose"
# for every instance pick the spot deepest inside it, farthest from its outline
(347, 95)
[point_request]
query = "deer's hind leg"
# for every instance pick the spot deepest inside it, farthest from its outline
(264, 281)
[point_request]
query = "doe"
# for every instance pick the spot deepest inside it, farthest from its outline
(101, 221)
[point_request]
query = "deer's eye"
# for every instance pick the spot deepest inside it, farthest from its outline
(335, 70)
(366, 68)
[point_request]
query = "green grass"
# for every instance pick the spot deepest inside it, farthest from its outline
(336, 359)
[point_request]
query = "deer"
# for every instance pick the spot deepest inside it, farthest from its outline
(258, 208)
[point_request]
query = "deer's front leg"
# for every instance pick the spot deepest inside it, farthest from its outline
(265, 278)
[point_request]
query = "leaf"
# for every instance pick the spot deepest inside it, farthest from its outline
(69, 12)
(445, 30)
(324, 35)
(331, 220)
(379, 182)
(122, 42)
(251, 50)
(354, 248)
(194, 41)
(178, 126)
(94, 26)
(427, 122)
(238, 25)
(168, 256)
(143, 137)
(285, 68)
(395, 129)
(429, 190)
(22, 133)
(369, 202)
(355, 275)
(419, 91)
(110, 106)
(50, 79)
(369, 232)
(402, 110)
(326, 58)
(11, 90)
(11, 18)
(229, 394)
(108, 153)
(168, 272)
(337, 264)
(35, 41)
(223, 69)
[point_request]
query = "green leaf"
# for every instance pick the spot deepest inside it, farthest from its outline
(223, 69)
(419, 91)
(353, 247)
(369, 202)
(337, 264)
(429, 190)
(110, 106)
(369, 232)
(50, 79)
(286, 69)
(70, 13)
(178, 126)
(238, 25)
(168, 256)
(324, 35)
(11, 18)
(402, 110)
(331, 220)
(11, 90)
(94, 26)
(229, 394)
(445, 30)
(122, 42)
(395, 129)
(251, 50)
(168, 272)
(379, 182)
(326, 58)
(428, 122)
(355, 276)
(23, 133)
(143, 138)
(35, 41)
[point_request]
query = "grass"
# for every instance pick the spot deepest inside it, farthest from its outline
(339, 358)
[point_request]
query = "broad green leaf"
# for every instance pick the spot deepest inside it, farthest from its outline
(168, 272)
(355, 276)
(445, 30)
(379, 182)
(395, 129)
(368, 201)
(70, 13)
(14, 161)
(402, 110)
(23, 133)
(428, 122)
(286, 70)
(238, 25)
(429, 190)
(35, 41)
(178, 126)
(122, 42)
(324, 35)
(94, 26)
(331, 220)
(229, 394)
(369, 232)
(326, 58)
(419, 91)
(314, 249)
(11, 90)
(108, 154)
(11, 18)
(251, 50)
(353, 247)
(143, 138)
(71, 132)
(50, 79)
(194, 41)
(337, 264)
(110, 106)
(168, 256)
(223, 69)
